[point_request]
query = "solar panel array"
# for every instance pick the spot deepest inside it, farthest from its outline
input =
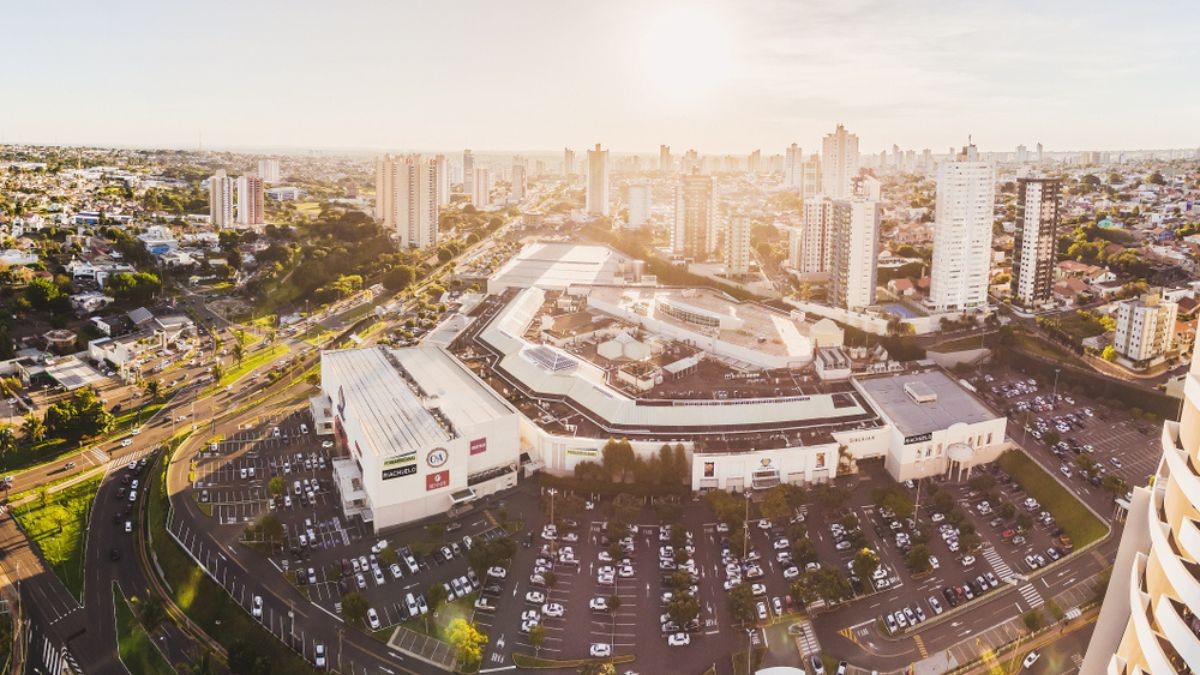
(550, 359)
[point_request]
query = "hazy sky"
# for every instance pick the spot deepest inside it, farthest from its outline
(530, 74)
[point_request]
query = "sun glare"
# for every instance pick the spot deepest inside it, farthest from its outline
(685, 54)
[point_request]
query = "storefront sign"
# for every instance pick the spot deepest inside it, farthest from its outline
(410, 458)
(437, 457)
(437, 480)
(919, 438)
(582, 452)
(479, 445)
(399, 471)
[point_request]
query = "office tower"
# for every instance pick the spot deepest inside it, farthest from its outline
(539, 168)
(637, 197)
(442, 170)
(810, 177)
(854, 244)
(737, 245)
(468, 173)
(882, 164)
(793, 163)
(694, 233)
(665, 163)
(568, 162)
(517, 190)
(910, 160)
(814, 251)
(839, 163)
(1147, 621)
(268, 170)
(1039, 152)
(481, 187)
(752, 162)
(1034, 240)
(250, 199)
(962, 234)
(1021, 155)
(220, 199)
(597, 182)
(406, 198)
(691, 162)
(1145, 328)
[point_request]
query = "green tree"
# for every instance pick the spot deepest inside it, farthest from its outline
(865, 563)
(78, 416)
(275, 485)
(741, 604)
(34, 428)
(435, 597)
(239, 352)
(537, 636)
(153, 390)
(354, 608)
(683, 608)
(399, 277)
(917, 558)
(468, 642)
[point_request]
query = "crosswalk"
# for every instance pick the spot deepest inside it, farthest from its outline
(1001, 568)
(1031, 596)
(58, 661)
(124, 461)
(807, 638)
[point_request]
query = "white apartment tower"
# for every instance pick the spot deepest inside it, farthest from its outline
(442, 169)
(793, 166)
(854, 244)
(813, 254)
(220, 199)
(568, 161)
(1034, 240)
(268, 170)
(1145, 328)
(481, 188)
(737, 245)
(250, 199)
(665, 163)
(694, 233)
(517, 191)
(637, 199)
(962, 234)
(810, 177)
(597, 182)
(839, 163)
(468, 173)
(406, 198)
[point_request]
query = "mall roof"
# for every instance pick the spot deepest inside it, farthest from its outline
(553, 265)
(943, 402)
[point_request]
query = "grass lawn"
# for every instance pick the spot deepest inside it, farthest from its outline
(316, 335)
(252, 360)
(59, 529)
(133, 642)
(1044, 348)
(206, 603)
(1072, 516)
(134, 416)
(28, 456)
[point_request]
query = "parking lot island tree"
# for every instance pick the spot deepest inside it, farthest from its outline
(741, 604)
(468, 642)
(354, 608)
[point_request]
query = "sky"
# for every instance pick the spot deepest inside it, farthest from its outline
(528, 75)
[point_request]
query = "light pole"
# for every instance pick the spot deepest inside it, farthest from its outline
(746, 528)
(1055, 395)
(552, 492)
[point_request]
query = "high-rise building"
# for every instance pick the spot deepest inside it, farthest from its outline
(665, 163)
(897, 158)
(1034, 240)
(220, 199)
(926, 160)
(517, 191)
(854, 244)
(962, 234)
(406, 198)
(1040, 155)
(481, 187)
(468, 173)
(737, 245)
(753, 161)
(1147, 621)
(1021, 156)
(268, 170)
(793, 166)
(250, 199)
(814, 251)
(568, 162)
(442, 169)
(839, 163)
(694, 234)
(1145, 328)
(810, 177)
(597, 182)
(637, 198)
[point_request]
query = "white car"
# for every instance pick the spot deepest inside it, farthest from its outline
(935, 605)
(535, 597)
(373, 619)
(679, 640)
(497, 572)
(758, 589)
(327, 444)
(1031, 659)
(553, 610)
(600, 650)
(791, 573)
(781, 544)
(257, 609)
(395, 570)
(761, 607)
(319, 655)
(598, 604)
(127, 442)
(933, 562)
(764, 524)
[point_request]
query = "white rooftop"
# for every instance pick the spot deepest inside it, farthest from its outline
(555, 266)
(920, 403)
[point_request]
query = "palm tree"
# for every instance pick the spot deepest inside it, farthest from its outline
(153, 390)
(8, 442)
(34, 428)
(239, 352)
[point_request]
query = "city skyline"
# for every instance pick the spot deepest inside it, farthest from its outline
(769, 74)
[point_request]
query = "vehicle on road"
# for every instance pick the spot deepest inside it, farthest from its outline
(1031, 659)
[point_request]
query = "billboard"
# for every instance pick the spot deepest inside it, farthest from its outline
(479, 445)
(437, 480)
